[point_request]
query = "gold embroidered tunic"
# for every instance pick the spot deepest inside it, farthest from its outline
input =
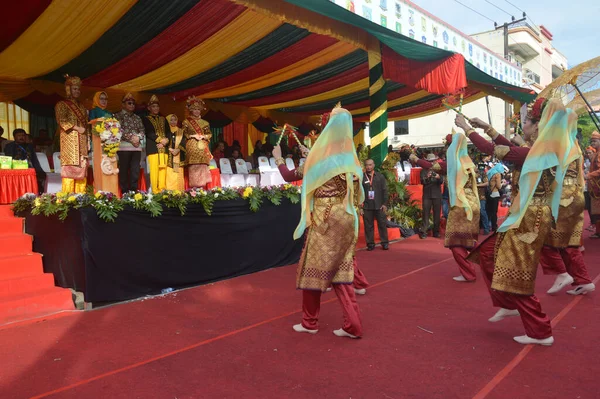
(197, 151)
(517, 252)
(569, 224)
(461, 232)
(73, 145)
(330, 243)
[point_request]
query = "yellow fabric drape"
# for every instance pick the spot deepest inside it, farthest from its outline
(253, 136)
(238, 35)
(393, 103)
(63, 31)
(328, 95)
(309, 20)
(308, 64)
(359, 138)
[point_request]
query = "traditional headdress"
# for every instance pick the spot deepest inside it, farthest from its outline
(332, 155)
(535, 109)
(590, 148)
(128, 97)
(595, 136)
(325, 117)
(153, 100)
(71, 81)
(195, 103)
(449, 139)
(96, 100)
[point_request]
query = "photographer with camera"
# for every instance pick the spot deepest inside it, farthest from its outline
(432, 197)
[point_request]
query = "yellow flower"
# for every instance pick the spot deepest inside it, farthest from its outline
(60, 194)
(98, 195)
(138, 197)
(59, 201)
(165, 196)
(37, 202)
(177, 192)
(114, 130)
(72, 198)
(247, 192)
(99, 128)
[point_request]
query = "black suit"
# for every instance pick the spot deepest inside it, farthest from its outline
(372, 207)
(27, 152)
(432, 198)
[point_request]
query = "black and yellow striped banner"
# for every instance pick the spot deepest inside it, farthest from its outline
(378, 104)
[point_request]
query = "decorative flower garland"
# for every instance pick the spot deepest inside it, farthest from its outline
(109, 131)
(108, 205)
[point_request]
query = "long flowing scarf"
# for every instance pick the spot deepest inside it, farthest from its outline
(333, 154)
(498, 168)
(552, 149)
(460, 170)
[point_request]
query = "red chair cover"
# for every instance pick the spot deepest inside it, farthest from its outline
(16, 182)
(415, 176)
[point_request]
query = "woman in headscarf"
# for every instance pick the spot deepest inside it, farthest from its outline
(330, 194)
(509, 257)
(176, 160)
(462, 228)
(100, 104)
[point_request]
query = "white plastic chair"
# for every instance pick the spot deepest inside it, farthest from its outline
(43, 159)
(289, 162)
(56, 159)
(263, 164)
(212, 163)
(225, 166)
(248, 166)
(240, 167)
(272, 163)
(302, 160)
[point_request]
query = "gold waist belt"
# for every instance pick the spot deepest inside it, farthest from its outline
(570, 181)
(539, 201)
(329, 200)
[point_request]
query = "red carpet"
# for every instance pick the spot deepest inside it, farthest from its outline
(25, 290)
(425, 337)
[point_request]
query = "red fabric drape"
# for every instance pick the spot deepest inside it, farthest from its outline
(440, 77)
(297, 52)
(16, 182)
(237, 131)
(18, 15)
(215, 176)
(198, 24)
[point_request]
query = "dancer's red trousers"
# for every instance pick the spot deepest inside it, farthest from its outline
(535, 321)
(467, 268)
(360, 281)
(311, 305)
(551, 261)
(567, 260)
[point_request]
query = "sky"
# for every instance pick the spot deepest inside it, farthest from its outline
(573, 23)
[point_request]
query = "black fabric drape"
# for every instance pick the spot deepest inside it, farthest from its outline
(139, 255)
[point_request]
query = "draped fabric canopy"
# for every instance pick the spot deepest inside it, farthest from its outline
(251, 59)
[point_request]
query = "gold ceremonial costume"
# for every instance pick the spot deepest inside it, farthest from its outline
(330, 243)
(73, 145)
(461, 232)
(197, 152)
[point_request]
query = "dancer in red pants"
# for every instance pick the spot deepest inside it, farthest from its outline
(462, 228)
(510, 257)
(330, 194)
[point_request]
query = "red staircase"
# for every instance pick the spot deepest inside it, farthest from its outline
(26, 292)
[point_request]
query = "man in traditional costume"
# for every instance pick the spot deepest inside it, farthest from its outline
(462, 228)
(157, 141)
(197, 135)
(72, 119)
(132, 142)
(331, 192)
(509, 257)
(593, 179)
(175, 170)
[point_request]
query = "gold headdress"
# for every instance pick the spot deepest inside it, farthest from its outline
(195, 103)
(153, 100)
(535, 109)
(127, 97)
(71, 81)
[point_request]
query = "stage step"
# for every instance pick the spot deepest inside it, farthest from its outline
(20, 266)
(15, 244)
(10, 226)
(35, 304)
(6, 211)
(25, 285)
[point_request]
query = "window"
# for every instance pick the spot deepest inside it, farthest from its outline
(400, 128)
(11, 117)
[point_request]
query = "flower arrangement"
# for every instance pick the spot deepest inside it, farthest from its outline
(109, 131)
(108, 205)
